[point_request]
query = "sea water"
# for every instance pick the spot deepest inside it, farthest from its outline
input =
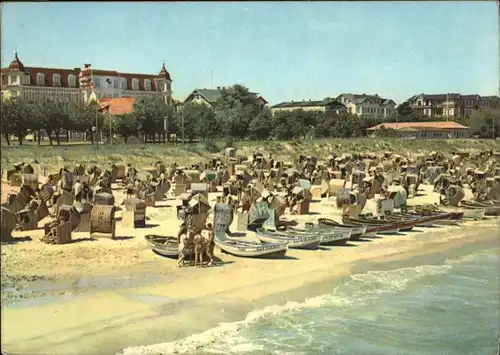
(450, 309)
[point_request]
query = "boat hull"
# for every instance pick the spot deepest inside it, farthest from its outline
(336, 238)
(165, 245)
(357, 232)
(384, 228)
(491, 209)
(294, 241)
(388, 231)
(474, 213)
(246, 249)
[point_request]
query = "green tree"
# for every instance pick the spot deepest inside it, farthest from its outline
(126, 126)
(18, 117)
(484, 123)
(404, 110)
(54, 118)
(326, 125)
(150, 113)
(281, 127)
(235, 109)
(260, 126)
(207, 127)
(199, 121)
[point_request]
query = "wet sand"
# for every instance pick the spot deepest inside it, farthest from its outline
(98, 297)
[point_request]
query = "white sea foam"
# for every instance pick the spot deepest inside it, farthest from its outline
(226, 338)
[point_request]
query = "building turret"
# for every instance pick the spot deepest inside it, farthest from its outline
(16, 64)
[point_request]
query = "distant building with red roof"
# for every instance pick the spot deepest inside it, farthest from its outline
(118, 106)
(35, 83)
(435, 129)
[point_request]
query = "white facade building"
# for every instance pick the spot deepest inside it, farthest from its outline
(36, 83)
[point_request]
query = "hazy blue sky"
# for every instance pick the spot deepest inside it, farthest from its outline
(285, 51)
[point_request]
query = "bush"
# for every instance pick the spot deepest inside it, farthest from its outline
(210, 146)
(228, 142)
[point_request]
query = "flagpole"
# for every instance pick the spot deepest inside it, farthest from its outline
(182, 121)
(110, 136)
(498, 88)
(96, 112)
(96, 129)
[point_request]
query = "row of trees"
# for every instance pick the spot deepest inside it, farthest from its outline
(237, 115)
(54, 119)
(20, 117)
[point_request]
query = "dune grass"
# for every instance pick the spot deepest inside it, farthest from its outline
(54, 157)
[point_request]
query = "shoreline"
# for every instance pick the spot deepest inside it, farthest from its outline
(167, 309)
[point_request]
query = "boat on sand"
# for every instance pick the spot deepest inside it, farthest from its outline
(357, 232)
(250, 249)
(165, 245)
(308, 240)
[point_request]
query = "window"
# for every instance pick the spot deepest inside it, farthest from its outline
(71, 81)
(56, 79)
(40, 79)
(115, 83)
(135, 84)
(124, 83)
(147, 84)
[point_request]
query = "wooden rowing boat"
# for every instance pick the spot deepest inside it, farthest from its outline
(370, 232)
(329, 236)
(165, 245)
(356, 232)
(248, 249)
(427, 220)
(475, 213)
(308, 240)
(491, 209)
(383, 227)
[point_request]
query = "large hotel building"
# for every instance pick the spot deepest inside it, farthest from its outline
(36, 83)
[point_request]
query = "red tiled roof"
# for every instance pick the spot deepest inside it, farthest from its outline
(419, 125)
(118, 106)
(49, 75)
(16, 65)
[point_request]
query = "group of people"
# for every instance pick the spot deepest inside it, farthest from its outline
(197, 241)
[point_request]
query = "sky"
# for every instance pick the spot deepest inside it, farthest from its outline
(283, 50)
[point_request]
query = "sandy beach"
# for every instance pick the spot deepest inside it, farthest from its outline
(101, 296)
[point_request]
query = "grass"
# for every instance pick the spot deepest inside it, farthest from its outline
(55, 157)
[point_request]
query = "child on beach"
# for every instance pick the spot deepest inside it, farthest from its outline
(209, 243)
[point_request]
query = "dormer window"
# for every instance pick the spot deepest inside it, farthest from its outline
(72, 81)
(158, 84)
(135, 84)
(56, 78)
(40, 79)
(147, 84)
